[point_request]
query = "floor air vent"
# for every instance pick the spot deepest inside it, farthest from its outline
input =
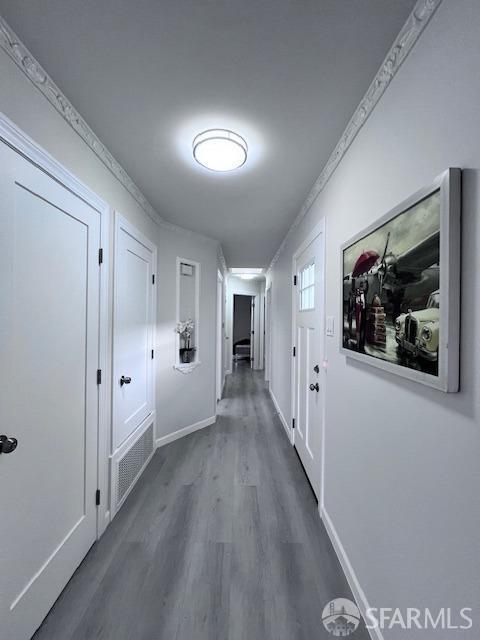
(130, 465)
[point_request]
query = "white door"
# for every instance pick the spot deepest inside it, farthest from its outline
(219, 367)
(268, 331)
(252, 332)
(49, 325)
(308, 344)
(133, 327)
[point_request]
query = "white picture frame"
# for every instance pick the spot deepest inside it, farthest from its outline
(446, 379)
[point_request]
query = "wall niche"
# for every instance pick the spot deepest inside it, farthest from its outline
(187, 347)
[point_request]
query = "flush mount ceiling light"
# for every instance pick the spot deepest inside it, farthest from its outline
(246, 273)
(220, 150)
(246, 270)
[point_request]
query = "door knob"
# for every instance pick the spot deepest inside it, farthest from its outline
(315, 387)
(7, 445)
(316, 368)
(125, 380)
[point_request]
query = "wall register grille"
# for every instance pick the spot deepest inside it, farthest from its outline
(132, 463)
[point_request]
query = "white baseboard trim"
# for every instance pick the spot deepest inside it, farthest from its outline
(280, 415)
(358, 593)
(180, 433)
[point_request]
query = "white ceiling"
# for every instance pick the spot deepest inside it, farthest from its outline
(149, 75)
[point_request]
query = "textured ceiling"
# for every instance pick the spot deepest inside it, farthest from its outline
(148, 76)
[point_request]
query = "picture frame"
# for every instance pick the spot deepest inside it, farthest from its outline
(400, 300)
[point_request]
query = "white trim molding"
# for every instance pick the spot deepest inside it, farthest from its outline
(180, 433)
(221, 259)
(352, 579)
(18, 52)
(406, 39)
(288, 430)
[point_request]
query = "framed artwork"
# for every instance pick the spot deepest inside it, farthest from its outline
(401, 288)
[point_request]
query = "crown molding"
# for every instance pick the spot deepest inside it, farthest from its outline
(221, 259)
(26, 62)
(406, 39)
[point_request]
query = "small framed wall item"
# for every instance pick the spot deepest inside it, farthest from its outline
(401, 288)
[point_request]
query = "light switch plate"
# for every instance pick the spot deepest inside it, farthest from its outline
(330, 326)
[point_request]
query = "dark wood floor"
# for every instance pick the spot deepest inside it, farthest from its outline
(220, 539)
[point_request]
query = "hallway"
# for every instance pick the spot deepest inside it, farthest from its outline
(219, 539)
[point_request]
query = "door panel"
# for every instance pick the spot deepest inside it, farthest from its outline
(133, 331)
(308, 318)
(49, 244)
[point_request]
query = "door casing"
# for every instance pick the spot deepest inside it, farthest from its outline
(219, 373)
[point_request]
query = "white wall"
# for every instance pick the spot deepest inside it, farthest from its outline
(402, 461)
(256, 287)
(181, 400)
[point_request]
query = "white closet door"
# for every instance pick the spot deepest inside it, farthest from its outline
(49, 326)
(134, 316)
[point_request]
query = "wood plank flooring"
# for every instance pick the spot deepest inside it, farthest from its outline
(219, 540)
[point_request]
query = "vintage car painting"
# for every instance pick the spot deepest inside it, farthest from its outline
(417, 332)
(400, 287)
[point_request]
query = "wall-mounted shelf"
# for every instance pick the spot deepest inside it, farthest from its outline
(187, 367)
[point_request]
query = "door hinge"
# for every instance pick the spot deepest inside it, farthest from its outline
(153, 278)
(294, 352)
(294, 281)
(293, 423)
(97, 497)
(99, 376)
(152, 353)
(100, 256)
(252, 332)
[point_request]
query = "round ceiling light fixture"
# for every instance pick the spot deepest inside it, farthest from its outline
(220, 150)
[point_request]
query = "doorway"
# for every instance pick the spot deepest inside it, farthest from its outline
(268, 333)
(243, 328)
(308, 352)
(220, 341)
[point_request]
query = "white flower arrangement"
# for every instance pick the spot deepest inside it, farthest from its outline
(185, 328)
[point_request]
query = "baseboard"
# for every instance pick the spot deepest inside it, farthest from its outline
(357, 591)
(280, 414)
(180, 433)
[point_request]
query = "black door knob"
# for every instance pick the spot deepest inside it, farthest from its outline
(315, 387)
(125, 380)
(7, 445)
(316, 368)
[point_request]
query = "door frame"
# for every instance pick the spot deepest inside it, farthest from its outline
(20, 142)
(319, 229)
(267, 339)
(219, 368)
